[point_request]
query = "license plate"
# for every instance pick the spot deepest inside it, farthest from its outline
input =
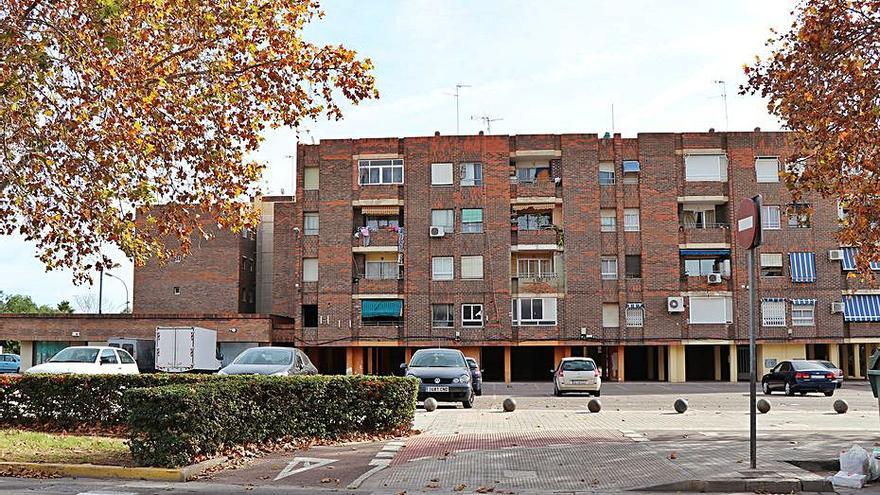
(436, 389)
(580, 382)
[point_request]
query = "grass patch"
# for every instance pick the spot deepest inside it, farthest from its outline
(28, 446)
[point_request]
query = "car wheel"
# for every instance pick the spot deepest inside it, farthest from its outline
(597, 393)
(766, 388)
(788, 390)
(839, 384)
(478, 392)
(829, 393)
(802, 393)
(556, 391)
(468, 403)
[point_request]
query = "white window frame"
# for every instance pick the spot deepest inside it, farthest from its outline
(772, 313)
(610, 315)
(381, 270)
(693, 174)
(450, 313)
(438, 270)
(768, 223)
(441, 174)
(725, 316)
(607, 174)
(803, 315)
(447, 228)
(469, 176)
(547, 309)
(311, 217)
(308, 270)
(635, 317)
(631, 220)
(472, 262)
(392, 165)
(471, 321)
(609, 268)
(311, 178)
(607, 223)
(766, 169)
(535, 267)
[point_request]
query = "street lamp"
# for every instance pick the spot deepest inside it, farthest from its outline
(124, 285)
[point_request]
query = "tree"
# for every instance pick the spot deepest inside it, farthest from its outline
(19, 303)
(110, 107)
(821, 80)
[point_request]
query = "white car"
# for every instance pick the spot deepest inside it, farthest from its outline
(88, 360)
(577, 374)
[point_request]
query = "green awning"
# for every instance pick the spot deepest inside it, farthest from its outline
(472, 215)
(382, 307)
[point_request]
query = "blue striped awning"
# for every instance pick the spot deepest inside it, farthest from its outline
(803, 267)
(634, 305)
(772, 299)
(861, 308)
(631, 166)
(849, 260)
(704, 252)
(803, 302)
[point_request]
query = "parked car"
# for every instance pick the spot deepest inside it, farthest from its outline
(838, 373)
(274, 361)
(96, 360)
(444, 375)
(799, 376)
(476, 376)
(10, 363)
(577, 374)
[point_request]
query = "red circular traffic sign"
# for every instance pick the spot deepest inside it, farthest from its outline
(748, 223)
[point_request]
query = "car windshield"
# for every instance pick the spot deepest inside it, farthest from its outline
(75, 355)
(827, 364)
(578, 365)
(275, 357)
(437, 360)
(806, 365)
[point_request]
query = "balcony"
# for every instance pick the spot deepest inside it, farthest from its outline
(539, 187)
(543, 239)
(704, 233)
(546, 283)
(378, 241)
(378, 277)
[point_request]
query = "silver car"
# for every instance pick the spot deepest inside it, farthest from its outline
(274, 361)
(577, 374)
(838, 373)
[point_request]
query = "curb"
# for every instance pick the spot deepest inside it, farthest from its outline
(754, 485)
(185, 473)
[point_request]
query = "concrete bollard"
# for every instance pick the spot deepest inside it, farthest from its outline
(509, 404)
(763, 406)
(681, 405)
(594, 406)
(430, 404)
(841, 406)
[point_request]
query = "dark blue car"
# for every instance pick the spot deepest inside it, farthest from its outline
(10, 363)
(799, 376)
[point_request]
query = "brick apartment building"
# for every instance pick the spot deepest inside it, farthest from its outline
(521, 250)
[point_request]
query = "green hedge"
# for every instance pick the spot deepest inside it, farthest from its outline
(179, 424)
(74, 401)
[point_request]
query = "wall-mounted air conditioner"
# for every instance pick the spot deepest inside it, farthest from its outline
(835, 254)
(837, 307)
(675, 304)
(713, 278)
(437, 231)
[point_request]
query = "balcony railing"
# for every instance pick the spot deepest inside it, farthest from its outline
(704, 226)
(382, 323)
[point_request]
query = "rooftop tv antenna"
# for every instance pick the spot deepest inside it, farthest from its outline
(723, 88)
(457, 95)
(487, 120)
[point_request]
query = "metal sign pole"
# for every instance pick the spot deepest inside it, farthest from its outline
(753, 365)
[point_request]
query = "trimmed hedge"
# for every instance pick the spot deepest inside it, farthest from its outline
(176, 425)
(74, 401)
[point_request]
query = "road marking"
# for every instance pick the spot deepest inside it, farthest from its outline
(307, 463)
(634, 436)
(385, 455)
(106, 493)
(381, 461)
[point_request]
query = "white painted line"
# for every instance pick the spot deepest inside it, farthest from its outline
(396, 442)
(384, 455)
(394, 448)
(307, 463)
(106, 493)
(378, 465)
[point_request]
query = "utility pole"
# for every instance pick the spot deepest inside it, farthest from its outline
(723, 101)
(487, 120)
(100, 289)
(457, 95)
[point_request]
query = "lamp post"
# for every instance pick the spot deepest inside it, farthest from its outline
(124, 285)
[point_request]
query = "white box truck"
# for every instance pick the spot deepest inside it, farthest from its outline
(181, 349)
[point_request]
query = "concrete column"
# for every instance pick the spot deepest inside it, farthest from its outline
(507, 375)
(717, 349)
(560, 352)
(621, 374)
(834, 354)
(734, 365)
(408, 352)
(661, 364)
(370, 370)
(676, 364)
(27, 354)
(857, 361)
(651, 364)
(844, 360)
(354, 361)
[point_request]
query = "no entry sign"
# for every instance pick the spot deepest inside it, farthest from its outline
(748, 222)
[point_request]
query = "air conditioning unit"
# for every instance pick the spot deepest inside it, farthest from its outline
(437, 231)
(837, 307)
(835, 254)
(714, 278)
(675, 304)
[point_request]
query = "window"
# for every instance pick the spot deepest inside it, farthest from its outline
(631, 220)
(310, 269)
(381, 270)
(608, 220)
(705, 168)
(375, 172)
(441, 174)
(108, 357)
(767, 169)
(472, 267)
(698, 217)
(770, 217)
(633, 266)
(799, 216)
(773, 312)
(534, 311)
(631, 169)
(609, 268)
(710, 310)
(698, 267)
(176, 291)
(310, 315)
(311, 223)
(532, 171)
(125, 358)
(441, 268)
(441, 316)
(635, 315)
(606, 174)
(534, 221)
(803, 313)
(771, 264)
(610, 315)
(310, 178)
(472, 174)
(377, 223)
(443, 218)
(472, 315)
(472, 220)
(535, 268)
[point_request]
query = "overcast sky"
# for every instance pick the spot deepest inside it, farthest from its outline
(540, 66)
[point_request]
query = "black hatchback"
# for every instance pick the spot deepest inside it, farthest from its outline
(444, 375)
(799, 376)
